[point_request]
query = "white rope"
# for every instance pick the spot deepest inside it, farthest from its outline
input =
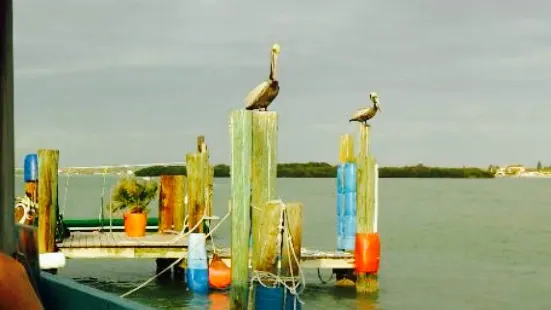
(278, 279)
(175, 262)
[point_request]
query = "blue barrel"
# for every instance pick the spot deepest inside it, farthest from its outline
(340, 243)
(340, 178)
(268, 298)
(197, 272)
(275, 298)
(350, 204)
(291, 301)
(341, 204)
(350, 176)
(349, 226)
(30, 167)
(348, 243)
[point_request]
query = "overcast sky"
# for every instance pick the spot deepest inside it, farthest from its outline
(112, 82)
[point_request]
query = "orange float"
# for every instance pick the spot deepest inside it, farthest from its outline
(134, 224)
(219, 273)
(367, 252)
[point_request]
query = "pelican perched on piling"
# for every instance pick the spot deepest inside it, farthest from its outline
(262, 95)
(365, 114)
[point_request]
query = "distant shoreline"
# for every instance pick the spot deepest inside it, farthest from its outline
(325, 170)
(314, 170)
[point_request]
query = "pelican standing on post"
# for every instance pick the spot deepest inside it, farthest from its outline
(263, 94)
(365, 114)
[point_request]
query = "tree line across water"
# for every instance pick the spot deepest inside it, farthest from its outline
(325, 170)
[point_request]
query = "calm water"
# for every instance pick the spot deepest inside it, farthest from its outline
(446, 244)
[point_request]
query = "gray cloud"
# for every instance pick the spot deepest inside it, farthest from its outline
(461, 82)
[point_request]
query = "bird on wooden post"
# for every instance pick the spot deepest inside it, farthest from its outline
(262, 95)
(365, 114)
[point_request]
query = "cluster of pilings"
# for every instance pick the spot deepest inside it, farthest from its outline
(258, 217)
(191, 197)
(357, 186)
(40, 178)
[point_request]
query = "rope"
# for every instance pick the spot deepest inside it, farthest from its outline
(175, 262)
(297, 286)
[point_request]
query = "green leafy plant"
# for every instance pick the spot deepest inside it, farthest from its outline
(132, 195)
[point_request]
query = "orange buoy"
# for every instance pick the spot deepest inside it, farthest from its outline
(219, 273)
(367, 252)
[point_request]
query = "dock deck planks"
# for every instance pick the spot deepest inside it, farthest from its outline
(155, 245)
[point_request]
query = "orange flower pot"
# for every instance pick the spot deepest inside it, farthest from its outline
(134, 224)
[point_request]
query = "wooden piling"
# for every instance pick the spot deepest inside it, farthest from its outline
(346, 149)
(209, 189)
(195, 168)
(292, 230)
(263, 173)
(171, 203)
(241, 146)
(48, 162)
(267, 251)
(7, 231)
(365, 282)
(178, 200)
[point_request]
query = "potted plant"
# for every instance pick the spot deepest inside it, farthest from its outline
(132, 198)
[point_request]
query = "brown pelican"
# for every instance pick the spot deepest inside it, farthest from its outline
(365, 114)
(263, 94)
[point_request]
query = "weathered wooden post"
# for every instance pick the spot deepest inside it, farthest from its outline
(290, 264)
(241, 146)
(367, 247)
(263, 174)
(171, 203)
(195, 168)
(8, 243)
(48, 162)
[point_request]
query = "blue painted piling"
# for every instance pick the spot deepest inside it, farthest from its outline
(197, 272)
(30, 168)
(346, 206)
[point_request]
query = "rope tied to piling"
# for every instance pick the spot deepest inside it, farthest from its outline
(298, 282)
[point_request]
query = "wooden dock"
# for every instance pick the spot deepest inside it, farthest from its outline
(154, 245)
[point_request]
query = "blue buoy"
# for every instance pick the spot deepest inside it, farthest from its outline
(348, 243)
(349, 223)
(350, 176)
(350, 204)
(340, 179)
(30, 168)
(197, 272)
(341, 204)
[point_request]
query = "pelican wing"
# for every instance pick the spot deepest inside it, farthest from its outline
(255, 94)
(359, 113)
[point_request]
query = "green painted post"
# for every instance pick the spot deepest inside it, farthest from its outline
(241, 146)
(263, 174)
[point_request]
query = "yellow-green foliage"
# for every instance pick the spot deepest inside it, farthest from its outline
(132, 195)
